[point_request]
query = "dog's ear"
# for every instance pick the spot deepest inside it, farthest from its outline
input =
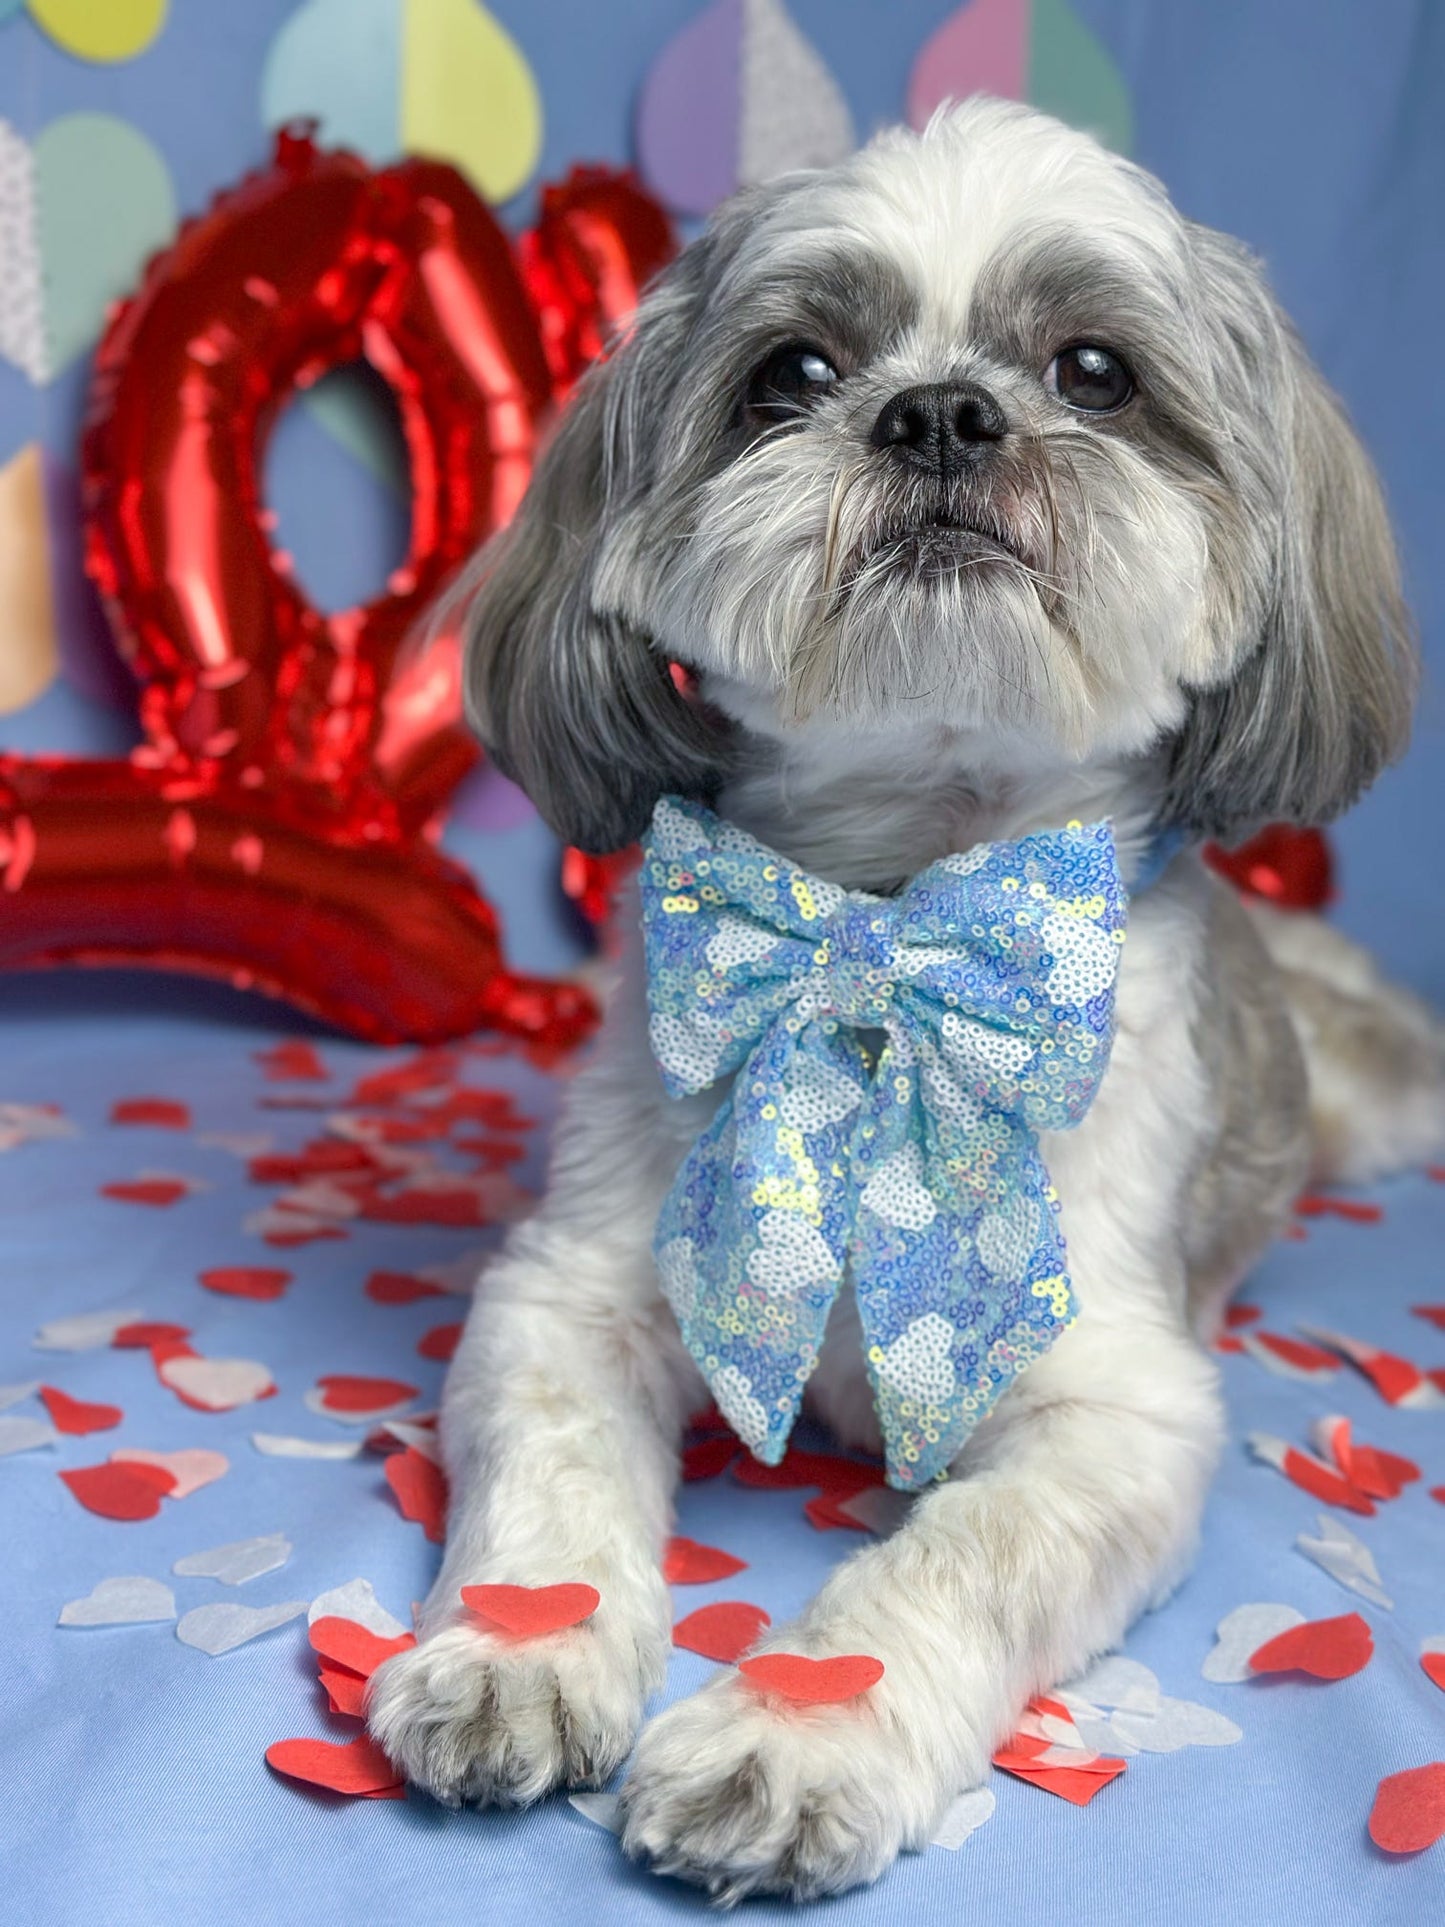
(570, 698)
(1321, 702)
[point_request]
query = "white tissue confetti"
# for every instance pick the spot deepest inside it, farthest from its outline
(237, 1562)
(600, 1808)
(216, 1629)
(879, 1508)
(1174, 1724)
(128, 1600)
(422, 1437)
(1115, 1681)
(19, 1123)
(220, 1384)
(1243, 1632)
(355, 1600)
(965, 1816)
(458, 1275)
(241, 1144)
(87, 1331)
(1345, 1558)
(276, 1445)
(14, 1394)
(25, 1435)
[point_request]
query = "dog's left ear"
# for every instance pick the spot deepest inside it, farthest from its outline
(1321, 702)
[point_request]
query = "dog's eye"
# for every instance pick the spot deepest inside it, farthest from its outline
(1089, 377)
(792, 378)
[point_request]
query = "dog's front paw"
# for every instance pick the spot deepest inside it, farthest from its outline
(475, 1720)
(741, 1795)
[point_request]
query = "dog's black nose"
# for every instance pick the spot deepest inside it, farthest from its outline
(941, 425)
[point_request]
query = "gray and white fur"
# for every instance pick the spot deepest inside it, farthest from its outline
(977, 490)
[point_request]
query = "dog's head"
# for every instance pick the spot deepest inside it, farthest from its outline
(976, 430)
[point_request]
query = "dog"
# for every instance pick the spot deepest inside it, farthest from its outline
(957, 492)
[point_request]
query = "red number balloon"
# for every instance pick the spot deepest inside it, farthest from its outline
(275, 826)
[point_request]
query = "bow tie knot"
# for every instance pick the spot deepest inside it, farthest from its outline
(893, 1059)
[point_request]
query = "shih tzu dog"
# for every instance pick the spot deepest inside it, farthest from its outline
(935, 502)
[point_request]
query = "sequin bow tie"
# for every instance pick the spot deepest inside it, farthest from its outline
(892, 1060)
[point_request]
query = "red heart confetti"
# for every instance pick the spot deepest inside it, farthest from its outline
(1409, 1810)
(347, 1392)
(418, 1205)
(145, 1334)
(1434, 1313)
(420, 1487)
(527, 1611)
(191, 1468)
(1078, 1785)
(1395, 1379)
(158, 1191)
(162, 1112)
(687, 1563)
(291, 1062)
(74, 1416)
(304, 1232)
(1310, 1474)
(1324, 1648)
(399, 1288)
(425, 1071)
(246, 1281)
(1318, 1480)
(120, 1490)
(1373, 1471)
(1438, 1492)
(723, 1632)
(798, 1468)
(356, 1647)
(1238, 1314)
(440, 1343)
(1311, 1359)
(814, 1682)
(1227, 1343)
(353, 1766)
(705, 1458)
(345, 1692)
(1314, 1204)
(322, 1157)
(1433, 1667)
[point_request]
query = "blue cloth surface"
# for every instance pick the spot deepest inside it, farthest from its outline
(136, 1791)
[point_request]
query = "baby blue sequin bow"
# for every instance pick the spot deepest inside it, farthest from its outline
(892, 1060)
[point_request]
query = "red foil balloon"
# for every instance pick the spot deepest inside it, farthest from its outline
(598, 241)
(275, 827)
(1285, 865)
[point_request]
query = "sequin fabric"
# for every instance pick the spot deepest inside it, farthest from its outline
(892, 1060)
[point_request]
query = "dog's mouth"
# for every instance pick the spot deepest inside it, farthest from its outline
(935, 548)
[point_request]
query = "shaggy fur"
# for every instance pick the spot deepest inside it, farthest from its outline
(927, 600)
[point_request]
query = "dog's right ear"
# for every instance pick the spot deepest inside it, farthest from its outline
(570, 699)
